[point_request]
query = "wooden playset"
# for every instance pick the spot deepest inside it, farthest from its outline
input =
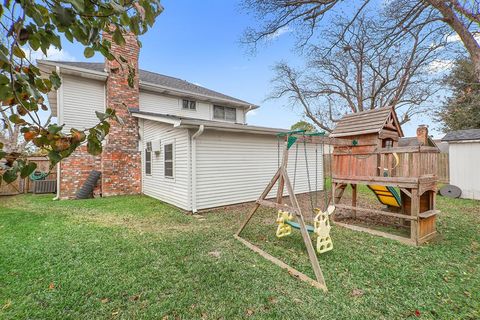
(403, 178)
(365, 152)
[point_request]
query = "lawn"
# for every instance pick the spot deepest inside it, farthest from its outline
(136, 257)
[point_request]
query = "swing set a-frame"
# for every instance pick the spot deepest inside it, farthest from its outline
(282, 180)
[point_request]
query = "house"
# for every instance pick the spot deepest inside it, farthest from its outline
(181, 143)
(464, 153)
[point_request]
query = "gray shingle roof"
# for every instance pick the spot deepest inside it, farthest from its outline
(468, 134)
(413, 142)
(158, 79)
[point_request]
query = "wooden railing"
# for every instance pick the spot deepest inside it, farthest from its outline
(401, 162)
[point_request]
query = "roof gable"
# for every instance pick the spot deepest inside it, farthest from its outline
(370, 121)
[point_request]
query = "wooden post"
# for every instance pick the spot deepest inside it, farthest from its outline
(354, 199)
(415, 210)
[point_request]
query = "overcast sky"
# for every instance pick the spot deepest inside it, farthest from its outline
(199, 41)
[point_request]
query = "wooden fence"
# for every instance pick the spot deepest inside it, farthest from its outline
(48, 185)
(443, 172)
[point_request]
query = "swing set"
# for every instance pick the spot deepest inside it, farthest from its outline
(288, 213)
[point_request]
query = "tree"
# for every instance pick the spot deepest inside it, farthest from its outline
(462, 109)
(303, 125)
(351, 72)
(39, 25)
(461, 17)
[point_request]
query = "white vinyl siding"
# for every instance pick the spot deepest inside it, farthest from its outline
(172, 190)
(162, 104)
(80, 99)
(464, 173)
(236, 167)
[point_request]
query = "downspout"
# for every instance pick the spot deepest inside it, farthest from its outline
(197, 134)
(59, 116)
(250, 107)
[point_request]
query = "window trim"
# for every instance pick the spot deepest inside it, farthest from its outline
(189, 104)
(224, 113)
(148, 150)
(172, 161)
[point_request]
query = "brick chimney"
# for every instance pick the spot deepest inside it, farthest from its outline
(422, 134)
(121, 159)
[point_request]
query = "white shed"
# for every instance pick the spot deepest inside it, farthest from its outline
(464, 150)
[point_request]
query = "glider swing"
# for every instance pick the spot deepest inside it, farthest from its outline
(287, 213)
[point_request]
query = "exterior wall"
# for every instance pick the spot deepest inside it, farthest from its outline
(158, 103)
(236, 167)
(120, 161)
(74, 171)
(464, 173)
(81, 98)
(175, 191)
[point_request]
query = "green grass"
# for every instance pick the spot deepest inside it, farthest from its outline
(135, 257)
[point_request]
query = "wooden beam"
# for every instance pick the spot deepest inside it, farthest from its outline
(283, 265)
(303, 230)
(385, 213)
(406, 192)
(400, 182)
(428, 214)
(278, 206)
(376, 233)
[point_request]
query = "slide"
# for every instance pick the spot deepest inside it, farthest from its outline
(387, 195)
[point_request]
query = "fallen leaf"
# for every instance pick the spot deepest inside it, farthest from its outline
(204, 315)
(104, 300)
(134, 298)
(249, 312)
(51, 286)
(7, 305)
(215, 254)
(272, 300)
(417, 313)
(357, 293)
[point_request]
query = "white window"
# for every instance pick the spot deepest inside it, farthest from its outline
(225, 113)
(168, 160)
(189, 104)
(148, 159)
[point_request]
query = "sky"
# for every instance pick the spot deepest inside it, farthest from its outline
(199, 41)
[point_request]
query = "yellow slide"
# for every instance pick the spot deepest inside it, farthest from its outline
(387, 195)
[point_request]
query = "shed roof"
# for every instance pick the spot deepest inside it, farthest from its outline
(370, 121)
(459, 135)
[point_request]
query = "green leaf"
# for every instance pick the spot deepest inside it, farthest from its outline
(54, 129)
(88, 52)
(78, 4)
(54, 157)
(18, 52)
(10, 175)
(28, 169)
(118, 37)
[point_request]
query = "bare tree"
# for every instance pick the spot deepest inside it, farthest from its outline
(462, 17)
(361, 72)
